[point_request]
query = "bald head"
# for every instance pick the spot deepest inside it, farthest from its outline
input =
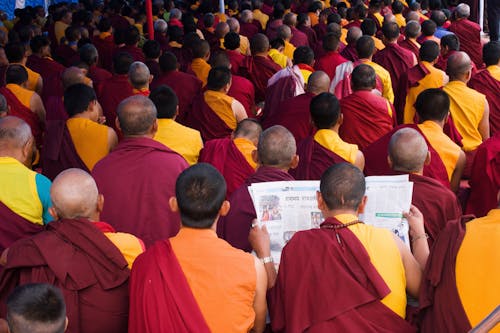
(408, 151)
(412, 16)
(259, 44)
(221, 29)
(234, 25)
(139, 75)
(290, 19)
(284, 32)
(249, 129)
(71, 76)
(459, 66)
(246, 16)
(412, 29)
(342, 186)
(276, 147)
(319, 82)
(353, 34)
(74, 194)
(389, 18)
(137, 116)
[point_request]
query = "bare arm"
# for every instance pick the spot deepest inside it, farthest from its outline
(37, 107)
(261, 244)
(457, 173)
(39, 86)
(239, 110)
(259, 303)
(360, 160)
(112, 139)
(484, 124)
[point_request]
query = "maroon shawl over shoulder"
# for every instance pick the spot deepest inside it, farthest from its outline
(235, 226)
(226, 157)
(303, 301)
(51, 73)
(259, 70)
(138, 179)
(407, 80)
(78, 258)
(440, 308)
(469, 34)
(121, 89)
(314, 159)
(488, 85)
(377, 165)
(14, 227)
(160, 297)
(410, 46)
(242, 89)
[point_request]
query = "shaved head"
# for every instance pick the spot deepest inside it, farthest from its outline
(259, 44)
(276, 147)
(249, 129)
(139, 75)
(342, 186)
(136, 116)
(221, 29)
(353, 34)
(234, 25)
(408, 150)
(14, 133)
(459, 64)
(318, 82)
(412, 29)
(412, 16)
(284, 32)
(71, 76)
(74, 194)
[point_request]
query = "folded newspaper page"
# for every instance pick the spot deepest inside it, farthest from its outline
(286, 207)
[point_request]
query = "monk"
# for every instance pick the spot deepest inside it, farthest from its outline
(469, 108)
(485, 180)
(184, 85)
(469, 34)
(259, 67)
(181, 300)
(304, 25)
(232, 50)
(276, 154)
(394, 58)
(463, 254)
(77, 244)
(16, 54)
(374, 269)
(24, 194)
(367, 116)
(90, 56)
(139, 77)
(298, 37)
(332, 58)
(234, 156)
(154, 168)
(369, 28)
(217, 113)
(429, 28)
(325, 147)
(408, 152)
(104, 42)
(199, 65)
(487, 82)
(247, 27)
(119, 85)
(449, 45)
(131, 39)
(285, 33)
(293, 113)
(27, 309)
(67, 53)
(412, 32)
(234, 26)
(417, 79)
(349, 52)
(181, 139)
(91, 139)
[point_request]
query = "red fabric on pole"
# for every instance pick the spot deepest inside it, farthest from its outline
(149, 16)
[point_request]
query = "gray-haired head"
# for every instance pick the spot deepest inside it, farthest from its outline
(277, 147)
(462, 10)
(160, 26)
(408, 150)
(139, 75)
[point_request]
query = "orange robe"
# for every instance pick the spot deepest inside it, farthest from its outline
(90, 140)
(201, 69)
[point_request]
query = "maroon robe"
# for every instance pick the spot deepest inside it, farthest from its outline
(329, 62)
(105, 48)
(294, 115)
(228, 159)
(138, 178)
(66, 55)
(51, 73)
(160, 297)
(376, 159)
(321, 30)
(205, 120)
(248, 29)
(185, 86)
(485, 178)
(349, 52)
(314, 159)
(55, 109)
(440, 307)
(312, 37)
(469, 34)
(366, 118)
(14, 227)
(242, 89)
(396, 60)
(486, 84)
(407, 80)
(162, 39)
(119, 22)
(302, 300)
(236, 59)
(133, 50)
(298, 38)
(59, 152)
(272, 28)
(410, 46)
(121, 88)
(259, 70)
(17, 109)
(90, 271)
(235, 226)
(154, 67)
(98, 75)
(437, 203)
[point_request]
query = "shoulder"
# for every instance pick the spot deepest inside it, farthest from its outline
(42, 181)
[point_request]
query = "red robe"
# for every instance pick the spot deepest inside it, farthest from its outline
(366, 118)
(133, 50)
(227, 158)
(329, 62)
(294, 115)
(248, 29)
(90, 271)
(469, 34)
(66, 55)
(242, 89)
(485, 178)
(55, 109)
(236, 59)
(486, 84)
(312, 37)
(349, 52)
(98, 75)
(118, 22)
(185, 86)
(302, 300)
(59, 152)
(121, 89)
(138, 178)
(160, 297)
(105, 48)
(235, 226)
(14, 227)
(298, 38)
(440, 307)
(376, 159)
(314, 159)
(51, 72)
(442, 62)
(407, 80)
(410, 46)
(396, 60)
(259, 70)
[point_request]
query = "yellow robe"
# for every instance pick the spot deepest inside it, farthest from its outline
(222, 105)
(246, 147)
(331, 140)
(23, 95)
(181, 139)
(201, 68)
